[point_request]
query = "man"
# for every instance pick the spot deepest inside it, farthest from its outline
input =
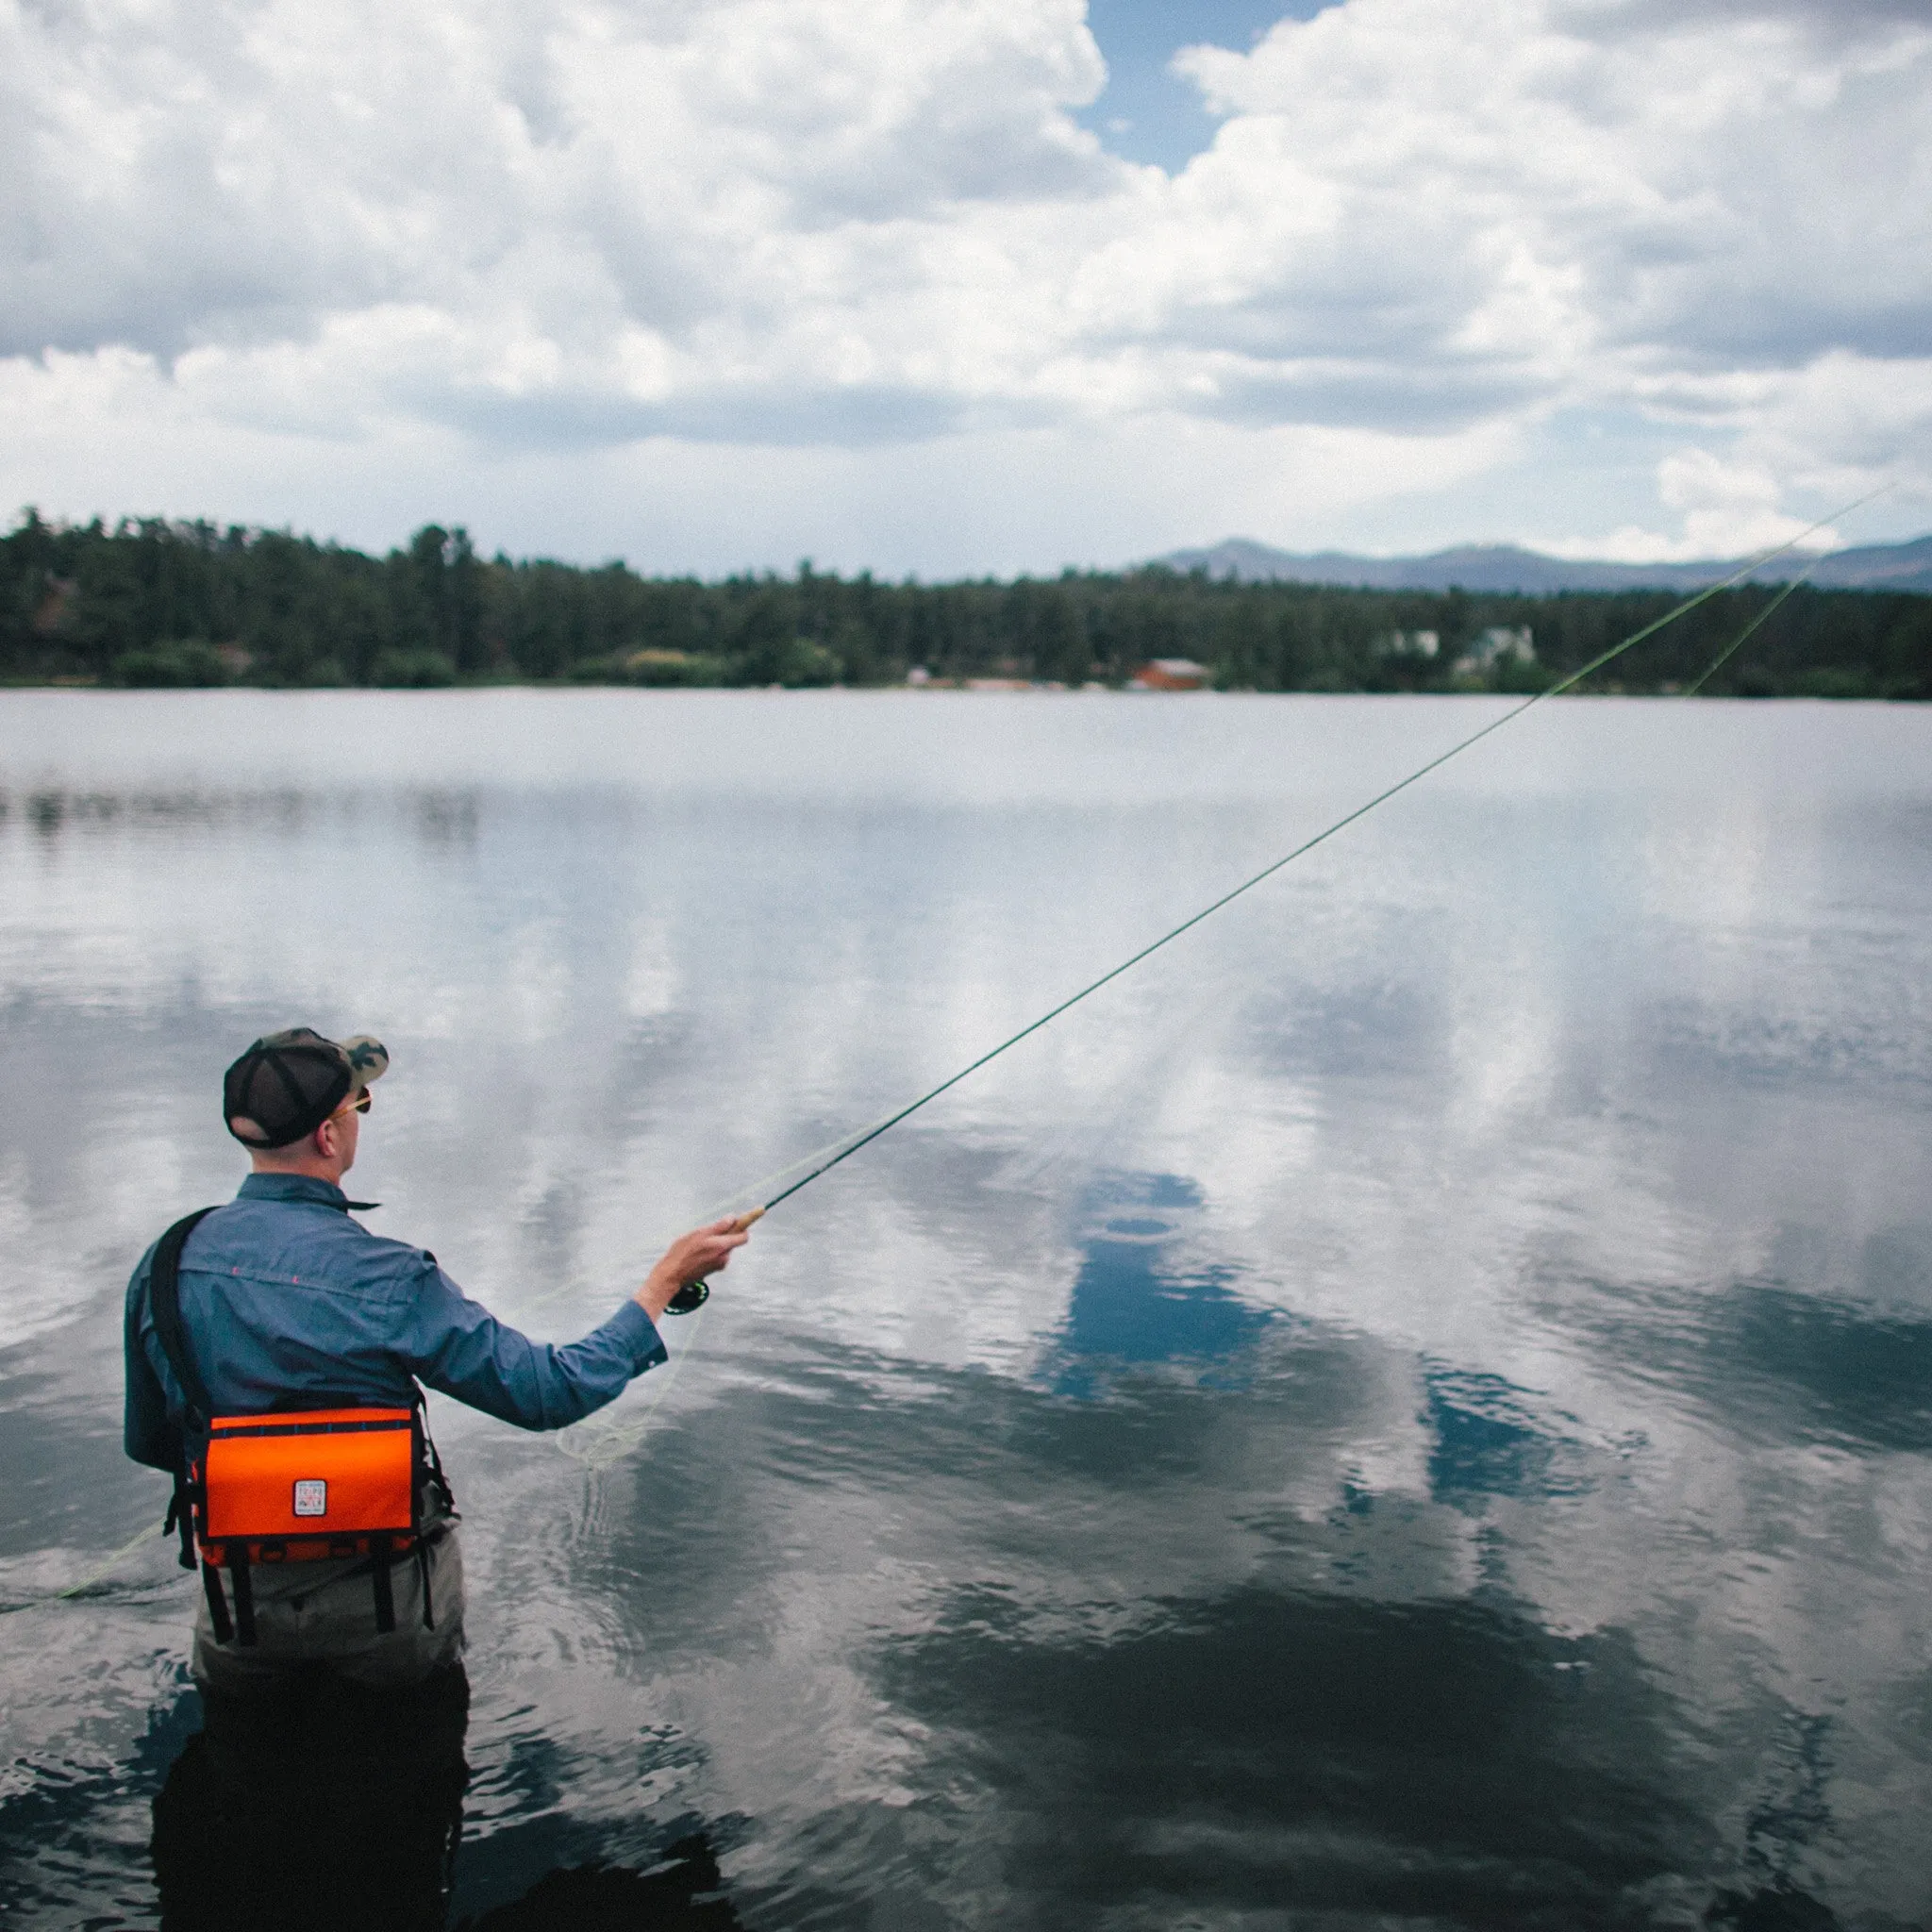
(287, 1304)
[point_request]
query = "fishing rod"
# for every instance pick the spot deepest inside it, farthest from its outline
(694, 1294)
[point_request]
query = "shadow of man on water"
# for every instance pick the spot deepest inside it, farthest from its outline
(319, 1803)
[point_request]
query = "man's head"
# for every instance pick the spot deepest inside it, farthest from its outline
(295, 1100)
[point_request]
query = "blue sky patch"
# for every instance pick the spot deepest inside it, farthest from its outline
(1134, 1302)
(1489, 1441)
(1147, 114)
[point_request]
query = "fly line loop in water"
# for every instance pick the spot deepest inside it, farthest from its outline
(599, 1443)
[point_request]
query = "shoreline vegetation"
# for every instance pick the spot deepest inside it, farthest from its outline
(150, 603)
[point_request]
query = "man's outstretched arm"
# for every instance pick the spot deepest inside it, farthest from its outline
(458, 1346)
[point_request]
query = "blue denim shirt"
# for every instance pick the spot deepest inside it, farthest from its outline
(288, 1303)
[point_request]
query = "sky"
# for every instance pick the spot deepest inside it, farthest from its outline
(966, 287)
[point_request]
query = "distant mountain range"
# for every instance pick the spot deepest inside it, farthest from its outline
(1504, 567)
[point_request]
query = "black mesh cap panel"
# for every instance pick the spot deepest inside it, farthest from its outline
(284, 1087)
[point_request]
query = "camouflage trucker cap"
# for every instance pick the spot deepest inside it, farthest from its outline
(286, 1085)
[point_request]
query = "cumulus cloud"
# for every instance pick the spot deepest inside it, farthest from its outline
(848, 224)
(1675, 189)
(1727, 509)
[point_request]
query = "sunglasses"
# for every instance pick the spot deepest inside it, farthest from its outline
(360, 1105)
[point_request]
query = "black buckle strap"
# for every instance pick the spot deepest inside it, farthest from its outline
(217, 1603)
(181, 1516)
(164, 1304)
(430, 1473)
(244, 1593)
(380, 1548)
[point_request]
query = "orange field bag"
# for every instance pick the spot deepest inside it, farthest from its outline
(292, 1486)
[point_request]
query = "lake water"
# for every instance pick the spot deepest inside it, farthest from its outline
(1413, 1407)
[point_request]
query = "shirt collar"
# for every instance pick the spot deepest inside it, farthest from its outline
(297, 1187)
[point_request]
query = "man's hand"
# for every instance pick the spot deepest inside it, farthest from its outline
(690, 1257)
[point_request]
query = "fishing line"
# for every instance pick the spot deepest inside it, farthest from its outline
(1691, 691)
(866, 1136)
(86, 1583)
(600, 1442)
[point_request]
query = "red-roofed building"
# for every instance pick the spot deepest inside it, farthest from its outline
(1170, 674)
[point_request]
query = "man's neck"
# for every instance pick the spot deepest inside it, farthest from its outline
(313, 1168)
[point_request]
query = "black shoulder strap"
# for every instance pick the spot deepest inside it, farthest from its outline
(164, 1301)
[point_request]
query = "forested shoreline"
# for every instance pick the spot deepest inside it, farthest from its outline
(152, 602)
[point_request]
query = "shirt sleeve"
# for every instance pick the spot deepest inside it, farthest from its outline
(146, 1434)
(458, 1346)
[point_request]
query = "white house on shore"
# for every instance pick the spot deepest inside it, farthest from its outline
(1498, 645)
